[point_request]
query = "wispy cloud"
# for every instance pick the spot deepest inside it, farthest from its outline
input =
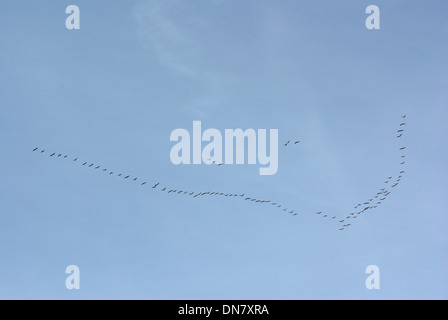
(166, 37)
(171, 30)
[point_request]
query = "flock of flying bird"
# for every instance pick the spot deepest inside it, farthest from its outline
(383, 192)
(360, 208)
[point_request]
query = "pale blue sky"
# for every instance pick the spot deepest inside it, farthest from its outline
(112, 92)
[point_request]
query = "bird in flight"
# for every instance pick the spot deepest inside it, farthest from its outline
(163, 189)
(402, 148)
(143, 183)
(97, 167)
(42, 151)
(35, 149)
(402, 124)
(399, 136)
(296, 142)
(84, 163)
(403, 162)
(76, 159)
(403, 116)
(126, 177)
(91, 165)
(104, 170)
(319, 212)
(59, 155)
(155, 186)
(401, 130)
(52, 154)
(286, 143)
(135, 179)
(110, 173)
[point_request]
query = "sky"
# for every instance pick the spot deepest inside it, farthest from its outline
(112, 92)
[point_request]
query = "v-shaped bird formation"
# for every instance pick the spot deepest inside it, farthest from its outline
(360, 208)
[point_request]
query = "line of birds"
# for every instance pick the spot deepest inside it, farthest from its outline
(377, 199)
(382, 194)
(194, 194)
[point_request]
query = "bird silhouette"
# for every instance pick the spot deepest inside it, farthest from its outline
(402, 148)
(126, 177)
(402, 124)
(52, 154)
(399, 136)
(296, 142)
(84, 163)
(97, 167)
(155, 186)
(42, 151)
(403, 116)
(286, 143)
(76, 159)
(135, 179)
(35, 149)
